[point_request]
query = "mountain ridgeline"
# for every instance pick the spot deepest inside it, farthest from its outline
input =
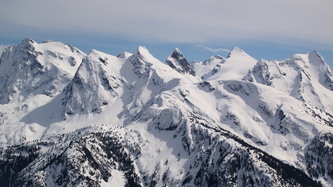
(73, 119)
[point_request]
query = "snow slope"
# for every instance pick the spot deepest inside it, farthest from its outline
(133, 120)
(233, 67)
(32, 76)
(305, 76)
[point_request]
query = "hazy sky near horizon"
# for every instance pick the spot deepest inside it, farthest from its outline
(263, 26)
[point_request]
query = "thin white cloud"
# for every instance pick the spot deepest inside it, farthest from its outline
(213, 50)
(187, 21)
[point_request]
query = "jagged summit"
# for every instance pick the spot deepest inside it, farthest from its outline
(31, 69)
(233, 67)
(124, 54)
(214, 59)
(177, 61)
(314, 56)
(93, 51)
(144, 54)
(236, 51)
(177, 54)
(141, 61)
(301, 76)
(93, 86)
(27, 44)
(143, 51)
(27, 40)
(74, 119)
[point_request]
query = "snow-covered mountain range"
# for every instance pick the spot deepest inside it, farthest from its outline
(73, 119)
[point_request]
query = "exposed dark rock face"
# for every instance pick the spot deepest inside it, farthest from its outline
(177, 61)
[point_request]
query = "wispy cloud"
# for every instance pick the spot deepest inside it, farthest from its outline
(213, 50)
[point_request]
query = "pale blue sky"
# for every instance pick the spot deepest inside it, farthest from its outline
(264, 29)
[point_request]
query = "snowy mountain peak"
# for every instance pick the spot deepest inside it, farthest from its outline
(177, 61)
(301, 76)
(236, 51)
(312, 61)
(314, 56)
(234, 67)
(141, 61)
(27, 41)
(93, 52)
(143, 54)
(214, 58)
(93, 86)
(176, 52)
(27, 44)
(96, 56)
(315, 53)
(124, 54)
(142, 50)
(219, 57)
(31, 68)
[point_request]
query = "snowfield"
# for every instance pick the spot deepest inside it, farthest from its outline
(73, 119)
